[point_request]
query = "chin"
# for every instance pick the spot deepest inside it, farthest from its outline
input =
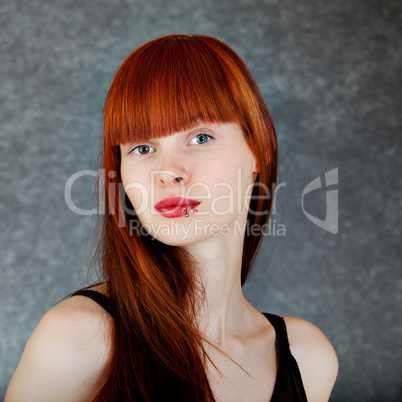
(178, 241)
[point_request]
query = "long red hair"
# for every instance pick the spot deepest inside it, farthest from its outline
(167, 85)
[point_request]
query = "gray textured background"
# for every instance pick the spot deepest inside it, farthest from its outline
(330, 72)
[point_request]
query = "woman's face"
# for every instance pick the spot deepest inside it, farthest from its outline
(217, 171)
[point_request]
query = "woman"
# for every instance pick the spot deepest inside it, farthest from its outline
(190, 158)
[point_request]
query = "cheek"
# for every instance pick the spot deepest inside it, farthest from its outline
(137, 189)
(230, 185)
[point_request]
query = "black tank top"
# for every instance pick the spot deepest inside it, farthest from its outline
(288, 386)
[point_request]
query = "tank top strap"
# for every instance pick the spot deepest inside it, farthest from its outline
(289, 384)
(279, 325)
(97, 297)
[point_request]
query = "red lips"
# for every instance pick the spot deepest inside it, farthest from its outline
(176, 206)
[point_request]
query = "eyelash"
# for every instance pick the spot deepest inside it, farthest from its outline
(139, 146)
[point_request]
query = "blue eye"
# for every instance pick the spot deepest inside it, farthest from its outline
(142, 150)
(202, 138)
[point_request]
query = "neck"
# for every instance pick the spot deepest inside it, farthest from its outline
(224, 305)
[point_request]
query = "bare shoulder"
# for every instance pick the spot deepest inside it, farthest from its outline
(315, 357)
(65, 356)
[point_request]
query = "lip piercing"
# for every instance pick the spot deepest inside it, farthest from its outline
(187, 214)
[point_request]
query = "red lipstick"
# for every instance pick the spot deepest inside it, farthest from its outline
(175, 207)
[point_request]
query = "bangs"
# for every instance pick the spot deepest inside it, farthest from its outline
(171, 85)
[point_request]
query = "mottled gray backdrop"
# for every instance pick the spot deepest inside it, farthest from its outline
(330, 73)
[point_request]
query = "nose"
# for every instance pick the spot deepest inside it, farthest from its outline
(169, 178)
(172, 173)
